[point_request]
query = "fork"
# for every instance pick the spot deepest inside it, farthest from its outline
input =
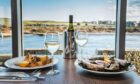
(36, 74)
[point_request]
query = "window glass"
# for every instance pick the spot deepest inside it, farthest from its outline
(133, 32)
(5, 29)
(95, 16)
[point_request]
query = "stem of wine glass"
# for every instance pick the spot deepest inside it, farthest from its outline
(52, 61)
(81, 52)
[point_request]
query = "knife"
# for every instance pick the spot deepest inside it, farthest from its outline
(8, 77)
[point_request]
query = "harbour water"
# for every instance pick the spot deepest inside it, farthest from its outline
(95, 41)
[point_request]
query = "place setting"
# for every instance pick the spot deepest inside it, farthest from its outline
(99, 65)
(35, 63)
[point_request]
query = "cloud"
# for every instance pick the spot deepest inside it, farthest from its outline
(133, 10)
(135, 3)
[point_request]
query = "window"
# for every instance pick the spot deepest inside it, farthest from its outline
(133, 32)
(5, 29)
(98, 22)
(96, 16)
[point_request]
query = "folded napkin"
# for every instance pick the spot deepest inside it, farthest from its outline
(15, 76)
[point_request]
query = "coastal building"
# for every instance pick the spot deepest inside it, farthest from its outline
(109, 22)
(131, 24)
(85, 23)
(138, 24)
(93, 22)
(106, 24)
(114, 22)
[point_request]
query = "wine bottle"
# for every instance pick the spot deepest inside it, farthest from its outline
(69, 41)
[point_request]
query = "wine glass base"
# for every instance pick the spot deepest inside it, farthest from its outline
(53, 72)
(2, 68)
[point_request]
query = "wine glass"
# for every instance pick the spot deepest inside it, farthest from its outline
(81, 38)
(52, 45)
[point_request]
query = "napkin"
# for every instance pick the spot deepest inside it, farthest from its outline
(15, 76)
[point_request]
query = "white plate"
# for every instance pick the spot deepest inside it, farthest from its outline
(103, 73)
(11, 64)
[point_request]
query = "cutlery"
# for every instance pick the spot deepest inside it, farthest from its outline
(8, 77)
(21, 76)
(16, 78)
(36, 74)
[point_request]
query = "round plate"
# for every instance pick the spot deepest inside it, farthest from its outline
(11, 63)
(102, 73)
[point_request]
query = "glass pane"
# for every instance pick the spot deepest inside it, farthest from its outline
(95, 16)
(5, 29)
(133, 33)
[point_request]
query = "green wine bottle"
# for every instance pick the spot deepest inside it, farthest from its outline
(70, 44)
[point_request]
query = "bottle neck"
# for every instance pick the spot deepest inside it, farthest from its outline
(70, 28)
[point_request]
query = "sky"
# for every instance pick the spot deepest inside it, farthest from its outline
(83, 10)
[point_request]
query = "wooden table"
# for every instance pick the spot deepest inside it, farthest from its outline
(69, 74)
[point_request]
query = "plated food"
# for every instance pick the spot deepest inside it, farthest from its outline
(30, 62)
(104, 65)
(33, 61)
(98, 64)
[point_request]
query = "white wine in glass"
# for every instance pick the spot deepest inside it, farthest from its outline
(52, 46)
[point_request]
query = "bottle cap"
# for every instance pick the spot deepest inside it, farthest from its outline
(71, 18)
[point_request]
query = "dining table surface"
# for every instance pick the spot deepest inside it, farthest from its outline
(70, 74)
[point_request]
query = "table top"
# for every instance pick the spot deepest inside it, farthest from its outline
(69, 74)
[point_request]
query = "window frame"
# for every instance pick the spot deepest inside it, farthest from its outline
(120, 28)
(17, 30)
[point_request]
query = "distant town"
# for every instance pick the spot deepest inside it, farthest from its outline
(33, 27)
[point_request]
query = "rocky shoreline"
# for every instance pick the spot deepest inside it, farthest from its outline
(6, 32)
(90, 33)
